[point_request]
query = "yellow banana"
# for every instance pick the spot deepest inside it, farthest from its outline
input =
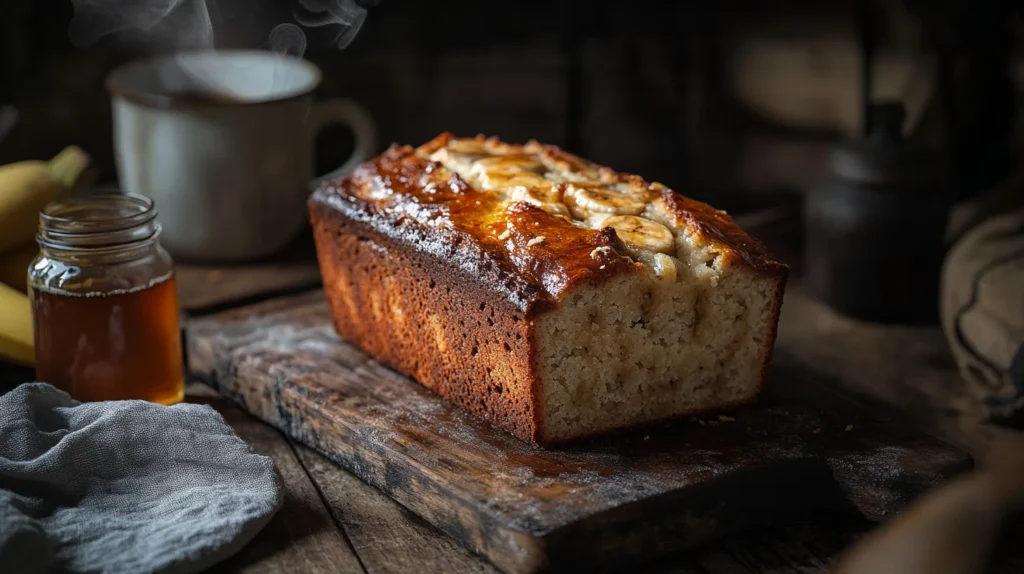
(14, 265)
(27, 186)
(16, 343)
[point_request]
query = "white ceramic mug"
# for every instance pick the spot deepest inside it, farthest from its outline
(222, 142)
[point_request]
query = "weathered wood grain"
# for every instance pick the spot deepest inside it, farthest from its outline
(302, 536)
(209, 287)
(633, 495)
(387, 537)
(205, 287)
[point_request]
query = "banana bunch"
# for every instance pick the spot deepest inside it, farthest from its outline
(25, 188)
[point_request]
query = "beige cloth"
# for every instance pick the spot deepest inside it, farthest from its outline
(983, 298)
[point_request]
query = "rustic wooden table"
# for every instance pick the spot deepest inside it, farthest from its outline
(333, 522)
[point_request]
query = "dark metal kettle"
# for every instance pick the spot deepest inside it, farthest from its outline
(874, 230)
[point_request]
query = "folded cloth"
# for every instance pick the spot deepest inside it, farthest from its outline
(124, 486)
(983, 301)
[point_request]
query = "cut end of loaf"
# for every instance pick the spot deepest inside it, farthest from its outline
(641, 349)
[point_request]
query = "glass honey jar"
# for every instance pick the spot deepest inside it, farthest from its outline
(104, 301)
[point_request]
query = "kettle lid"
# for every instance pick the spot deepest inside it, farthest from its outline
(885, 156)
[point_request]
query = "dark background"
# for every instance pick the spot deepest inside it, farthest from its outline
(734, 102)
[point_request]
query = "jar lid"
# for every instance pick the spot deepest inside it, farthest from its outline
(97, 220)
(885, 157)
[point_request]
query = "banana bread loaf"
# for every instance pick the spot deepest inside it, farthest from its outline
(554, 297)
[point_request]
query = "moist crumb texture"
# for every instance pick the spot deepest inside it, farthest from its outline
(557, 298)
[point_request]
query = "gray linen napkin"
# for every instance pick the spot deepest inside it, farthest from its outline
(124, 486)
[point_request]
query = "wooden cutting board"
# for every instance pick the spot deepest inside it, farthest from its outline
(590, 507)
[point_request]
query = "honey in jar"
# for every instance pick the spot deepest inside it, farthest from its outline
(104, 302)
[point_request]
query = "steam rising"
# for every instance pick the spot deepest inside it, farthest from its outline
(181, 24)
(288, 39)
(187, 25)
(345, 14)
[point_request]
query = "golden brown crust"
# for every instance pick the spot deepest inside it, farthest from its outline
(439, 325)
(415, 259)
(529, 254)
(544, 251)
(707, 224)
(717, 228)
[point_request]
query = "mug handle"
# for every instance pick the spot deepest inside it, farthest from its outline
(346, 112)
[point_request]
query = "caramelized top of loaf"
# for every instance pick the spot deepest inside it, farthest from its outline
(533, 220)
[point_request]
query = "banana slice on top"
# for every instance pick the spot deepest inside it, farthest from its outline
(514, 182)
(586, 200)
(546, 198)
(468, 146)
(458, 162)
(527, 187)
(641, 233)
(639, 189)
(509, 163)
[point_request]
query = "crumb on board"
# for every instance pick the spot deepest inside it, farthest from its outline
(849, 428)
(701, 421)
(535, 241)
(647, 437)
